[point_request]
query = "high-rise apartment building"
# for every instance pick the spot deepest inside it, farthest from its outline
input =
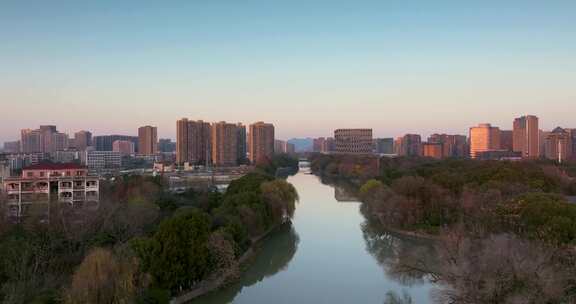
(46, 139)
(353, 140)
(542, 138)
(12, 147)
(323, 145)
(82, 140)
(105, 142)
(124, 147)
(329, 145)
(59, 142)
(279, 146)
(526, 136)
(384, 145)
(47, 133)
(507, 140)
(193, 142)
(558, 145)
(433, 150)
(409, 145)
(282, 146)
(182, 141)
(572, 134)
(166, 145)
(452, 145)
(317, 144)
(242, 143)
(147, 140)
(31, 141)
(260, 141)
(224, 144)
(484, 138)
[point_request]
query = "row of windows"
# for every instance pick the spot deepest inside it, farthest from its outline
(55, 173)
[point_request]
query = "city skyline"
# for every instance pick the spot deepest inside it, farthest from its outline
(394, 67)
(506, 126)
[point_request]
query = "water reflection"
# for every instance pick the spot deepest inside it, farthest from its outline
(343, 195)
(274, 256)
(404, 259)
(330, 255)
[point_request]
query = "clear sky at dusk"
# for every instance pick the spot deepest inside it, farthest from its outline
(307, 66)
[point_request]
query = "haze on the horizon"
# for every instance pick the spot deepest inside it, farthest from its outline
(307, 66)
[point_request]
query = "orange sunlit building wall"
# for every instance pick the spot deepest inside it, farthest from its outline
(483, 138)
(433, 150)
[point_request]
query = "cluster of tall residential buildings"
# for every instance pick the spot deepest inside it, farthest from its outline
(223, 144)
(524, 141)
(282, 146)
(96, 152)
(361, 141)
(198, 143)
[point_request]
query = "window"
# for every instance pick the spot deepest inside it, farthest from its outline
(30, 174)
(68, 173)
(42, 174)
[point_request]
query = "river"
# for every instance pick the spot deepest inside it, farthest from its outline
(328, 255)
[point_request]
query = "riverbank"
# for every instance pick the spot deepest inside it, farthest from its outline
(356, 184)
(221, 280)
(407, 233)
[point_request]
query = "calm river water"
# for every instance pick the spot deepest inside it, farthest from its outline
(328, 255)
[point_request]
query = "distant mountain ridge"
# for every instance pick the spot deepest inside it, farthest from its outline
(302, 144)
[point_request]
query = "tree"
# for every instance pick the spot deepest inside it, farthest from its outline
(104, 278)
(501, 269)
(277, 161)
(248, 183)
(545, 217)
(281, 197)
(372, 190)
(177, 256)
(221, 247)
(394, 298)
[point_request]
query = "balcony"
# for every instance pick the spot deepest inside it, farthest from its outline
(42, 186)
(34, 198)
(65, 196)
(91, 185)
(92, 196)
(28, 187)
(79, 196)
(13, 187)
(13, 198)
(13, 211)
(17, 191)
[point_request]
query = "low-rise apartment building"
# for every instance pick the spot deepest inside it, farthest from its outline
(46, 183)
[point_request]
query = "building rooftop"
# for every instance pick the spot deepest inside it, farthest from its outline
(54, 166)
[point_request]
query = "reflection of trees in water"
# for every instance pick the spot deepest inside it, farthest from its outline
(406, 260)
(492, 269)
(273, 257)
(394, 298)
(344, 195)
